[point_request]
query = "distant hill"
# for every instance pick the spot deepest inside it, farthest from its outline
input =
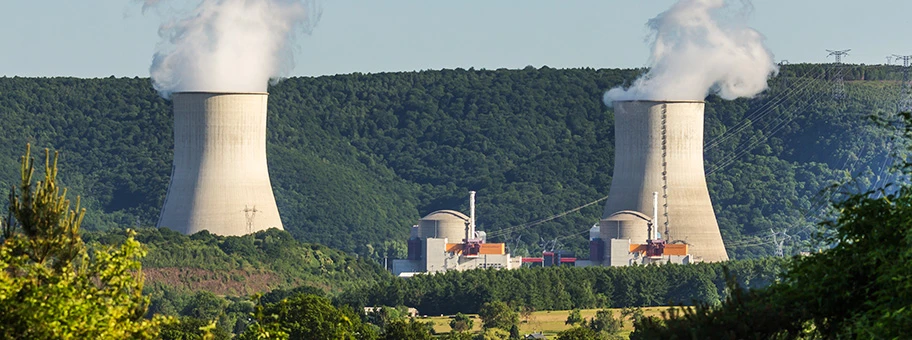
(357, 159)
(245, 265)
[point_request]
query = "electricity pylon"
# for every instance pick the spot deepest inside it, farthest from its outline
(838, 79)
(905, 97)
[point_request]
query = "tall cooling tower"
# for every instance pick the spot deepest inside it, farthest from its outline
(659, 149)
(219, 180)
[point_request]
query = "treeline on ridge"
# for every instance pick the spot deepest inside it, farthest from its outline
(562, 288)
(357, 159)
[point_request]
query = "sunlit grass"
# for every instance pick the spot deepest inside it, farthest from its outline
(547, 322)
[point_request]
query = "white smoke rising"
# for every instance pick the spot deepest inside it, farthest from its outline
(228, 45)
(701, 47)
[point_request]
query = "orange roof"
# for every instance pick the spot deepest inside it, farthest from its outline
(454, 247)
(485, 249)
(675, 249)
(670, 249)
(492, 249)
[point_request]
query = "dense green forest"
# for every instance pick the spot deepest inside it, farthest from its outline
(357, 159)
(243, 265)
(205, 277)
(562, 288)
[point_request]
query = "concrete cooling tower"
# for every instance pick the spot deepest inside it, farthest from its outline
(659, 149)
(219, 178)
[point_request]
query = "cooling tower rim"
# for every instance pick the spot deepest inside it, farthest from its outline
(222, 93)
(660, 101)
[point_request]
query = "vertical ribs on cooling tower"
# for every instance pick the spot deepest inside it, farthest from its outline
(659, 148)
(219, 179)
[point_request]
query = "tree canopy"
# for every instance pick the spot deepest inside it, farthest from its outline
(859, 287)
(51, 285)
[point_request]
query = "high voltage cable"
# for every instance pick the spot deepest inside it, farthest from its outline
(821, 203)
(571, 235)
(553, 217)
(532, 224)
(761, 112)
(777, 125)
(781, 124)
(776, 128)
(749, 243)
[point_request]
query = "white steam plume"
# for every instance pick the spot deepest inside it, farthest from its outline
(228, 45)
(701, 47)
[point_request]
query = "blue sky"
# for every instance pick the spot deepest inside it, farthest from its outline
(100, 38)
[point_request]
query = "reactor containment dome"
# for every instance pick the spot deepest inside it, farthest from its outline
(219, 179)
(659, 149)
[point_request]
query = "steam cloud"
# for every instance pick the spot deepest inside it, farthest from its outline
(228, 45)
(701, 47)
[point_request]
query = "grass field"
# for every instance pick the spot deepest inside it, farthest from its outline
(547, 322)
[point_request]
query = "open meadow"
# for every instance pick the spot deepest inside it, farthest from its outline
(548, 323)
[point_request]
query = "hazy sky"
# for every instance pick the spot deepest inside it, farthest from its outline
(99, 38)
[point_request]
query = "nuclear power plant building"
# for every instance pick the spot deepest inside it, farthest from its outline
(219, 179)
(658, 205)
(446, 240)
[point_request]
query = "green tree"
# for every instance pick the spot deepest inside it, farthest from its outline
(574, 317)
(514, 332)
(458, 336)
(407, 329)
(384, 315)
(461, 323)
(859, 288)
(190, 328)
(578, 333)
(495, 334)
(604, 321)
(634, 314)
(498, 314)
(306, 316)
(51, 285)
(205, 305)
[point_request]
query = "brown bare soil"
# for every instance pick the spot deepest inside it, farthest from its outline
(229, 282)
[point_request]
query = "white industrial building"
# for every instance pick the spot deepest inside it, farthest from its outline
(446, 240)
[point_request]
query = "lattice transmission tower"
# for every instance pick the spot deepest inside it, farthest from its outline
(838, 79)
(250, 214)
(779, 239)
(905, 97)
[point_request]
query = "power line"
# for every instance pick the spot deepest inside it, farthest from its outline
(838, 80)
(535, 223)
(250, 214)
(761, 112)
(776, 127)
(779, 241)
(905, 97)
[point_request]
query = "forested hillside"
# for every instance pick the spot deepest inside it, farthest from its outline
(242, 265)
(357, 159)
(561, 288)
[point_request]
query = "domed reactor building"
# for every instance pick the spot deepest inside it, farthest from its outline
(446, 240)
(658, 207)
(219, 179)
